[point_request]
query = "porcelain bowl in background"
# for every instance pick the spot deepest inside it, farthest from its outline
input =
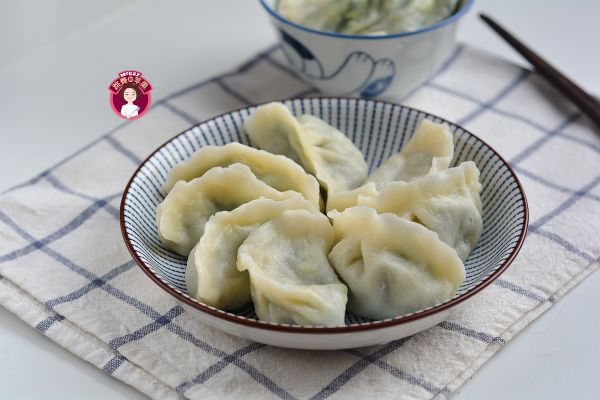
(384, 66)
(378, 129)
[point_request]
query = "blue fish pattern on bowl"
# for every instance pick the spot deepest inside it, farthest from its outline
(373, 76)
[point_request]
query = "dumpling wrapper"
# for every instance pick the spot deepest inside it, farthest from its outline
(392, 266)
(336, 162)
(211, 275)
(181, 216)
(275, 170)
(349, 198)
(291, 280)
(447, 202)
(320, 148)
(428, 151)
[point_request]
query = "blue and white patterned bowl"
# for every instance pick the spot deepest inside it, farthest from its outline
(384, 66)
(379, 129)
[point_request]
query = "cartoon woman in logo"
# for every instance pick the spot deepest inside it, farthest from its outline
(129, 94)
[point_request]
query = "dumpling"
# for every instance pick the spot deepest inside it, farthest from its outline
(447, 202)
(392, 266)
(320, 148)
(349, 198)
(211, 275)
(183, 213)
(275, 170)
(334, 159)
(272, 127)
(291, 281)
(428, 151)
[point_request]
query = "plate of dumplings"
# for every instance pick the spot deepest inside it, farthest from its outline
(325, 222)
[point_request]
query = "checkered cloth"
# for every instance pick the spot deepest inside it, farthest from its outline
(65, 270)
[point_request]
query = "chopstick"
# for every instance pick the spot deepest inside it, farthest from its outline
(582, 99)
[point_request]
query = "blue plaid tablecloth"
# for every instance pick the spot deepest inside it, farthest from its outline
(65, 270)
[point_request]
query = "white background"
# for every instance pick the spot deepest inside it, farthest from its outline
(58, 58)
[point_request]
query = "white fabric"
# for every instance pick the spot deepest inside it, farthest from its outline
(129, 110)
(65, 269)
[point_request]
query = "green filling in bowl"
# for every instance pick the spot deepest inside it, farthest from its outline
(367, 17)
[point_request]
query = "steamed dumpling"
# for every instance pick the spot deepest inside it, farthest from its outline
(392, 266)
(275, 170)
(332, 157)
(183, 213)
(447, 202)
(211, 275)
(349, 198)
(272, 127)
(428, 151)
(320, 148)
(291, 280)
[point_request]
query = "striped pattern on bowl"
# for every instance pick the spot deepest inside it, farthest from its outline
(378, 129)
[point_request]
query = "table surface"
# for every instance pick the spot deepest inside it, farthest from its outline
(57, 60)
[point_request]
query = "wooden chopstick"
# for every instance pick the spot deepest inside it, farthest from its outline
(582, 99)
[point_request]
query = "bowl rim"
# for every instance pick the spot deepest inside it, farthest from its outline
(309, 329)
(448, 20)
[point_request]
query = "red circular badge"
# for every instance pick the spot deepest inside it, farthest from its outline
(130, 95)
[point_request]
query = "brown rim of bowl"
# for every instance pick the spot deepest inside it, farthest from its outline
(324, 329)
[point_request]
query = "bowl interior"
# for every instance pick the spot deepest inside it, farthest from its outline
(378, 129)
